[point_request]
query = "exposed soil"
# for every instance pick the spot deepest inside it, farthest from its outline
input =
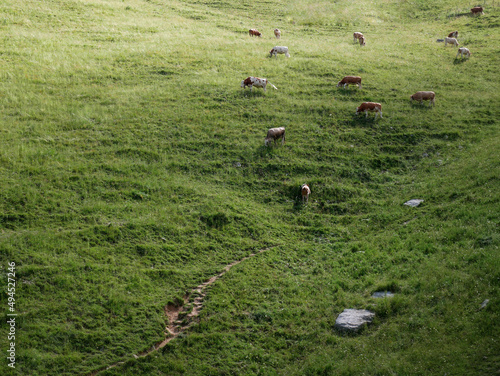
(181, 317)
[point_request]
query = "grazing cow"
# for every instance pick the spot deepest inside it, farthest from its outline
(362, 41)
(277, 33)
(453, 34)
(370, 107)
(424, 96)
(275, 134)
(279, 50)
(477, 10)
(305, 191)
(463, 51)
(451, 41)
(253, 32)
(350, 80)
(257, 82)
(357, 36)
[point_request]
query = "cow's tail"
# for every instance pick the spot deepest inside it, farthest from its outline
(272, 85)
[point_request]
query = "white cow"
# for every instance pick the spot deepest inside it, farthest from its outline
(279, 50)
(452, 41)
(463, 51)
(257, 82)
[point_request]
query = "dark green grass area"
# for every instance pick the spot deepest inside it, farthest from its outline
(134, 168)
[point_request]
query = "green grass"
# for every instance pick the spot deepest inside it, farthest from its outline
(133, 169)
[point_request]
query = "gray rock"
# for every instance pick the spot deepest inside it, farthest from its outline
(484, 304)
(352, 320)
(414, 203)
(382, 294)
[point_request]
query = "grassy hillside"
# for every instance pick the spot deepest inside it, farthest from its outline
(134, 169)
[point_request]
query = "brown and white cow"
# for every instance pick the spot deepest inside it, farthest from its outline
(277, 33)
(350, 80)
(257, 82)
(357, 35)
(274, 134)
(453, 34)
(305, 191)
(424, 96)
(477, 10)
(362, 41)
(463, 51)
(279, 50)
(370, 107)
(254, 32)
(451, 41)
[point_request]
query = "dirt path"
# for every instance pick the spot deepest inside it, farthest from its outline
(181, 317)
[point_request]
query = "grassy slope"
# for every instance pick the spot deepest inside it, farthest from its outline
(133, 169)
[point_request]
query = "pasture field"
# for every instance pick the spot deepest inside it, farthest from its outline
(133, 169)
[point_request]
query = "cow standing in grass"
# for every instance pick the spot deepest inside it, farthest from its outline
(463, 51)
(350, 80)
(357, 35)
(477, 11)
(452, 41)
(370, 107)
(305, 191)
(254, 32)
(424, 96)
(274, 134)
(257, 82)
(279, 50)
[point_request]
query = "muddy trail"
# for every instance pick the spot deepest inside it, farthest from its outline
(181, 317)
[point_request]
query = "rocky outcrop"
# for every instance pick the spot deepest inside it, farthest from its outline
(352, 320)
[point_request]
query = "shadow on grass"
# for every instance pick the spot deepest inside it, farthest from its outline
(363, 121)
(455, 15)
(421, 106)
(346, 92)
(459, 61)
(253, 93)
(298, 206)
(267, 151)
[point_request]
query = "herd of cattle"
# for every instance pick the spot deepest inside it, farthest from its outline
(275, 134)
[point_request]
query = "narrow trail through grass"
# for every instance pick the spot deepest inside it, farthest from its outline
(182, 316)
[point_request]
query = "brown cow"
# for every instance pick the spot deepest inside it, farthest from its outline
(277, 33)
(357, 35)
(253, 32)
(350, 80)
(453, 34)
(424, 96)
(305, 191)
(477, 10)
(370, 107)
(275, 134)
(362, 41)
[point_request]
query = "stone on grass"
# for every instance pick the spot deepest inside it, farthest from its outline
(414, 203)
(484, 304)
(382, 294)
(352, 320)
